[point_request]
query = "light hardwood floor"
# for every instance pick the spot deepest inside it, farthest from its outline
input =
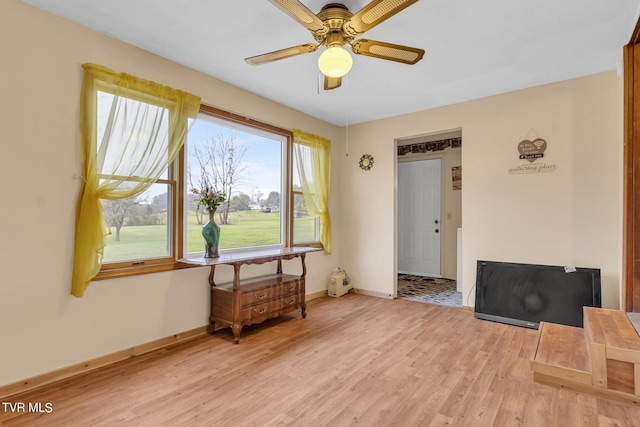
(355, 360)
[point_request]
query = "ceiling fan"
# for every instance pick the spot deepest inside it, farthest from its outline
(333, 27)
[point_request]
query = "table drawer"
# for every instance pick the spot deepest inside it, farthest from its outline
(259, 296)
(260, 310)
(289, 288)
(290, 301)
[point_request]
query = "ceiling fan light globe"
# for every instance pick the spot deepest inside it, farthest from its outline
(335, 62)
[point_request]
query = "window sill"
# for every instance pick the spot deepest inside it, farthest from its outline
(310, 245)
(135, 271)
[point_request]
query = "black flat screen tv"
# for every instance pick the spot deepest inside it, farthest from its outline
(527, 294)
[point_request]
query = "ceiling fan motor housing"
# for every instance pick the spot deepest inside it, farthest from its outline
(334, 16)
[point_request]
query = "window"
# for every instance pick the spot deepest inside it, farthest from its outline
(251, 163)
(131, 131)
(313, 167)
(306, 228)
(140, 226)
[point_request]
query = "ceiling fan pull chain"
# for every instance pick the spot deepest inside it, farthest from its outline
(346, 144)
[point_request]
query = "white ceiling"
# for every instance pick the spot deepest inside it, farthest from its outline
(473, 48)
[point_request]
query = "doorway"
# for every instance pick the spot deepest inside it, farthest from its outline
(419, 206)
(428, 216)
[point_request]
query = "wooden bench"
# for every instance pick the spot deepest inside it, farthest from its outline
(603, 359)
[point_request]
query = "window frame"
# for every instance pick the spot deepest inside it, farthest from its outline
(176, 180)
(300, 193)
(154, 264)
(157, 264)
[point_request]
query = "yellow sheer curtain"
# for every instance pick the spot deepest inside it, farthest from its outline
(313, 157)
(130, 131)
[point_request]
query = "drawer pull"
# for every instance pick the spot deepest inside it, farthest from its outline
(260, 296)
(263, 310)
(293, 300)
(290, 288)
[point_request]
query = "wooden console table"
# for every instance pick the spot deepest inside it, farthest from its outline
(248, 301)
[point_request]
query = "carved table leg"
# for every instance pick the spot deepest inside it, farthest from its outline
(212, 325)
(212, 322)
(237, 329)
(303, 304)
(237, 304)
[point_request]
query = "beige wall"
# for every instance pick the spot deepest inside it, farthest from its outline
(571, 216)
(44, 328)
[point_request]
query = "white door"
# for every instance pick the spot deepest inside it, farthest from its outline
(419, 222)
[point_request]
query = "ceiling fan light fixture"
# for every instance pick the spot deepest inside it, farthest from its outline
(335, 62)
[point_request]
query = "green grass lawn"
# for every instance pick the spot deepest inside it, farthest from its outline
(246, 228)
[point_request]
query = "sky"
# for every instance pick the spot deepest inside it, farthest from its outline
(262, 158)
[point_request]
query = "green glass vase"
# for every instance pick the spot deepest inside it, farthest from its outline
(211, 234)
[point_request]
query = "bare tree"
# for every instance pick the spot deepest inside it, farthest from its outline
(192, 203)
(218, 164)
(116, 212)
(257, 195)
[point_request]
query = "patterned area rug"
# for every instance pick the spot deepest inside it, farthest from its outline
(429, 290)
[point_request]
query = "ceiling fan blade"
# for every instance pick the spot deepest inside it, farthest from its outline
(281, 54)
(332, 82)
(374, 13)
(300, 13)
(389, 51)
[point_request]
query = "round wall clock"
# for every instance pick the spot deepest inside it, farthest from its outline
(366, 162)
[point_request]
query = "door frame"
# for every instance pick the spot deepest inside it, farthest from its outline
(395, 204)
(631, 218)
